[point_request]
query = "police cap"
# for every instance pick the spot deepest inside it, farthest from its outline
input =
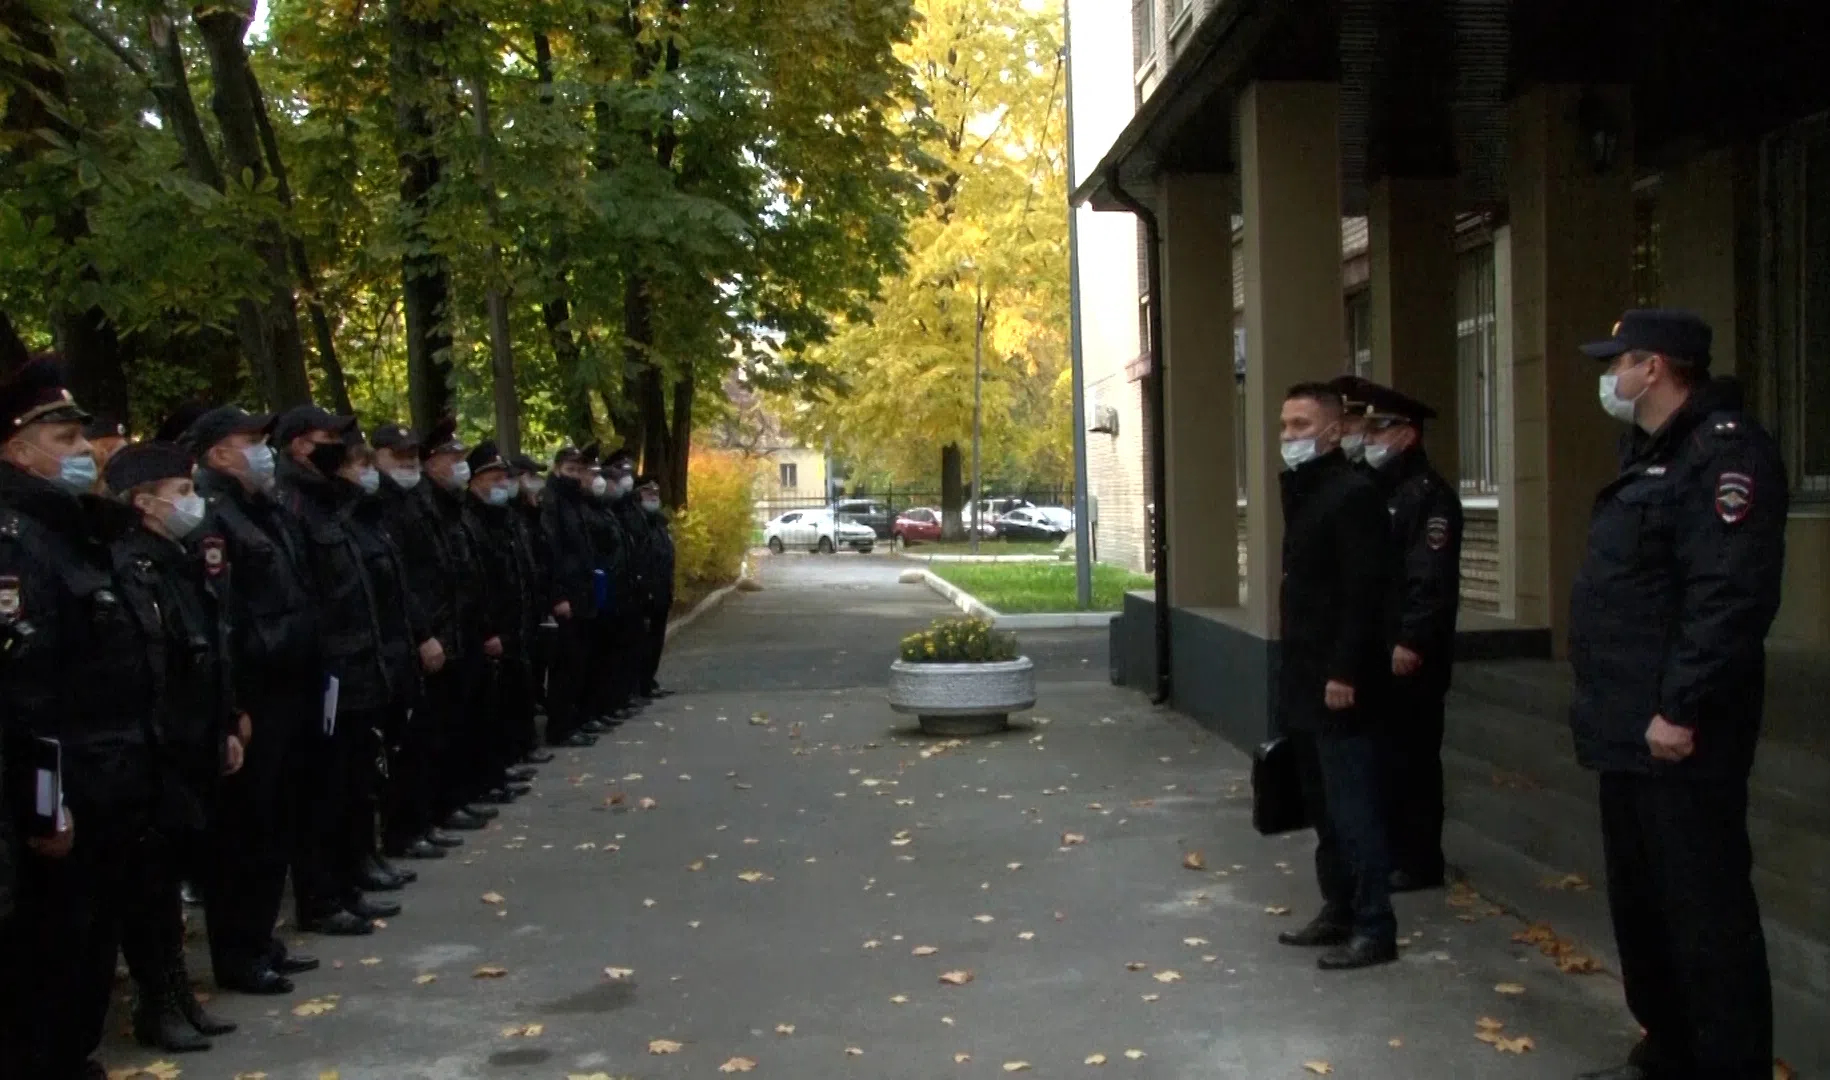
(36, 394)
(1384, 403)
(1356, 393)
(647, 483)
(146, 463)
(105, 425)
(305, 419)
(485, 457)
(215, 425)
(1679, 335)
(442, 439)
(588, 456)
(523, 465)
(396, 437)
(620, 459)
(567, 455)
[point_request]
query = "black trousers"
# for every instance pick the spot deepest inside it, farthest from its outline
(57, 959)
(515, 708)
(410, 804)
(255, 835)
(540, 661)
(622, 647)
(656, 643)
(1343, 794)
(572, 681)
(1692, 953)
(337, 784)
(1414, 776)
(463, 704)
(152, 933)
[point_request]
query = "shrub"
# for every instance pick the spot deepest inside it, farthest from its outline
(959, 641)
(712, 533)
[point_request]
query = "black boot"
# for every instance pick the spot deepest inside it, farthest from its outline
(417, 849)
(1324, 929)
(1359, 952)
(464, 822)
(538, 756)
(370, 876)
(407, 877)
(369, 908)
(191, 1009)
(521, 773)
(158, 1022)
(442, 840)
(337, 923)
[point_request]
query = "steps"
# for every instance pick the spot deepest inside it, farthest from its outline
(1509, 763)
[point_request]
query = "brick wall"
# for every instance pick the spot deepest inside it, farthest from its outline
(1118, 473)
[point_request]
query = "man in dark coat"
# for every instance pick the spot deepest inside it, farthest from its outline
(177, 595)
(567, 511)
(1356, 414)
(659, 574)
(1333, 674)
(277, 663)
(1668, 623)
(1426, 530)
(531, 476)
(620, 553)
(76, 699)
(509, 577)
(361, 673)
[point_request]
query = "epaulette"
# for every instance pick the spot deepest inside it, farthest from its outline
(1724, 425)
(9, 525)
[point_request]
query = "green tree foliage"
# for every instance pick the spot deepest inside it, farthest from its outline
(581, 215)
(991, 236)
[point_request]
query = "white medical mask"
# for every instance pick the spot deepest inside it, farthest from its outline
(187, 513)
(408, 479)
(499, 495)
(369, 480)
(514, 488)
(599, 486)
(1621, 409)
(532, 485)
(625, 484)
(653, 506)
(1377, 454)
(1355, 447)
(460, 476)
(260, 464)
(1297, 452)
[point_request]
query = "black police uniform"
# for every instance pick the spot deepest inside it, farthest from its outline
(1668, 617)
(1337, 568)
(177, 596)
(1426, 521)
(509, 580)
(461, 775)
(74, 668)
(660, 577)
(276, 662)
(533, 525)
(622, 626)
(567, 512)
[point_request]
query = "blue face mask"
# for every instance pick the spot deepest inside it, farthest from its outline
(76, 474)
(499, 496)
(369, 480)
(260, 464)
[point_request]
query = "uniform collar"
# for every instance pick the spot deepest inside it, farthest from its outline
(1717, 395)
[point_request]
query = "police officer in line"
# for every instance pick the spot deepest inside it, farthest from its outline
(1668, 622)
(107, 434)
(532, 477)
(435, 576)
(567, 513)
(77, 690)
(276, 660)
(358, 678)
(509, 578)
(1356, 414)
(620, 552)
(1426, 521)
(178, 595)
(660, 574)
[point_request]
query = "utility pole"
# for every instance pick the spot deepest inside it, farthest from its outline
(1083, 527)
(978, 371)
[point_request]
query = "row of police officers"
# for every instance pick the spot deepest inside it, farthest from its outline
(1669, 612)
(257, 648)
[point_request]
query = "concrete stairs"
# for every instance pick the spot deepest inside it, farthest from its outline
(1512, 778)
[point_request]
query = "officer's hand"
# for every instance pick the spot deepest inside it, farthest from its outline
(59, 843)
(1669, 742)
(1405, 662)
(492, 647)
(431, 655)
(563, 609)
(244, 730)
(233, 756)
(1338, 695)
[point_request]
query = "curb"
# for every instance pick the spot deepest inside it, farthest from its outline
(971, 605)
(978, 558)
(716, 598)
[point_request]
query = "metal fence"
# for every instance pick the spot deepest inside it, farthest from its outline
(898, 500)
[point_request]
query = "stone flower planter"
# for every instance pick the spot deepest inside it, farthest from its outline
(963, 699)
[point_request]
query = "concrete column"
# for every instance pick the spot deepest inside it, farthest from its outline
(1289, 167)
(1411, 225)
(1196, 217)
(1696, 232)
(1572, 246)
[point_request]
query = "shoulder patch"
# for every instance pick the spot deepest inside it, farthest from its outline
(9, 525)
(1734, 496)
(215, 555)
(1436, 533)
(11, 606)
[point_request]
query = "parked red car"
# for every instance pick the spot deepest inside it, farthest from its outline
(916, 524)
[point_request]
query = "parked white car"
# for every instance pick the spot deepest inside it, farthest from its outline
(814, 530)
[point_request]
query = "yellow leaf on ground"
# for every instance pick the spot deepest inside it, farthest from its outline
(647, 803)
(900, 999)
(1520, 1045)
(314, 1007)
(489, 971)
(1577, 964)
(872, 944)
(1194, 860)
(422, 980)
(1027, 935)
(1136, 965)
(961, 1059)
(370, 961)
(1095, 1059)
(696, 865)
(1194, 942)
(1395, 1043)
(1167, 976)
(982, 918)
(664, 1046)
(1069, 839)
(523, 1031)
(752, 876)
(1488, 1023)
(1013, 866)
(1152, 997)
(251, 1076)
(1783, 1071)
(1508, 988)
(852, 1051)
(1277, 911)
(493, 898)
(1319, 1068)
(737, 1065)
(618, 973)
(956, 978)
(923, 950)
(1016, 1066)
(1569, 882)
(1135, 1055)
(784, 1029)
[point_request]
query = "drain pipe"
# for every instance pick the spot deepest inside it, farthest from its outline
(1159, 479)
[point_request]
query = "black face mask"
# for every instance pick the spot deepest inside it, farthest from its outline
(327, 458)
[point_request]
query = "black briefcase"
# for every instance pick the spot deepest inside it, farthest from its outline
(1277, 789)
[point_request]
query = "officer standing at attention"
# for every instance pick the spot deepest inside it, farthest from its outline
(1668, 623)
(566, 511)
(532, 477)
(1332, 680)
(660, 574)
(107, 435)
(177, 595)
(277, 665)
(620, 552)
(509, 577)
(76, 696)
(1426, 528)
(1356, 414)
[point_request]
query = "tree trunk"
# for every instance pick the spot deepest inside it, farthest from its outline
(556, 309)
(269, 328)
(171, 88)
(13, 352)
(673, 485)
(952, 498)
(425, 274)
(334, 381)
(495, 299)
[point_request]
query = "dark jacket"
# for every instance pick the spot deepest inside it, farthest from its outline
(660, 562)
(568, 513)
(74, 663)
(431, 565)
(178, 596)
(1679, 586)
(461, 564)
(508, 572)
(1337, 571)
(349, 604)
(533, 534)
(400, 620)
(612, 552)
(1426, 532)
(273, 614)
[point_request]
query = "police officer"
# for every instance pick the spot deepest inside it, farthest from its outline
(276, 662)
(509, 577)
(659, 546)
(107, 434)
(532, 477)
(176, 595)
(360, 674)
(1356, 413)
(1332, 678)
(620, 553)
(567, 512)
(1668, 623)
(77, 691)
(1426, 520)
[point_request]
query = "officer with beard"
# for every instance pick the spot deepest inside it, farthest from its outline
(659, 545)
(567, 511)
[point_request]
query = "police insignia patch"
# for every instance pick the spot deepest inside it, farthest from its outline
(9, 599)
(1734, 496)
(1436, 533)
(215, 559)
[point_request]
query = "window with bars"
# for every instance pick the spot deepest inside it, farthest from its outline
(1359, 334)
(1793, 386)
(790, 474)
(1476, 371)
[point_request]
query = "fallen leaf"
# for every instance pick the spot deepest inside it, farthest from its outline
(370, 961)
(1395, 1043)
(737, 1065)
(1520, 1045)
(1319, 1068)
(1027, 935)
(852, 1051)
(1016, 1066)
(1277, 911)
(752, 876)
(1070, 839)
(618, 973)
(664, 1046)
(1135, 1055)
(1783, 1071)
(523, 1031)
(489, 971)
(1136, 965)
(314, 1007)
(648, 903)
(872, 944)
(923, 950)
(696, 865)
(1194, 942)
(1148, 998)
(1167, 976)
(1568, 882)
(1194, 860)
(1577, 964)
(422, 980)
(493, 898)
(1508, 988)
(1095, 1059)
(1013, 866)
(647, 803)
(961, 1059)
(956, 978)
(982, 918)
(1488, 1023)
(784, 1029)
